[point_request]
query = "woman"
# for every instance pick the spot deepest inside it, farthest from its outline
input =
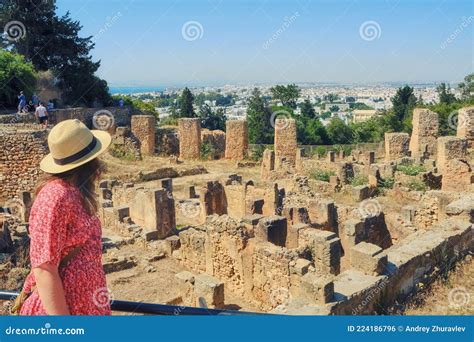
(65, 233)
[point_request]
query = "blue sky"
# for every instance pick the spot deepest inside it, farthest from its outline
(145, 42)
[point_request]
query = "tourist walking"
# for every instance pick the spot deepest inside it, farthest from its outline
(42, 115)
(67, 277)
(22, 102)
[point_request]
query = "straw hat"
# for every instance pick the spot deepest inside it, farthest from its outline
(72, 144)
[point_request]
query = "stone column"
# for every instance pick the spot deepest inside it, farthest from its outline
(396, 145)
(465, 127)
(285, 140)
(189, 138)
(143, 128)
(236, 140)
(424, 133)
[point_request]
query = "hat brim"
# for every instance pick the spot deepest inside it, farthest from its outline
(104, 140)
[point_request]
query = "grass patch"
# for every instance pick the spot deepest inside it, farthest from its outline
(208, 152)
(359, 180)
(386, 183)
(416, 185)
(411, 170)
(321, 175)
(119, 152)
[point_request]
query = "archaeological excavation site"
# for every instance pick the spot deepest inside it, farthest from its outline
(287, 232)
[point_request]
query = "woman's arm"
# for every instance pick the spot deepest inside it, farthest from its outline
(50, 289)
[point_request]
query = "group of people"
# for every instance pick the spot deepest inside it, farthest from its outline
(40, 111)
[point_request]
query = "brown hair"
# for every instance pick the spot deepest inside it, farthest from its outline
(84, 178)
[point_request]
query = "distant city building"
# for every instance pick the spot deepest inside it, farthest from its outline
(361, 115)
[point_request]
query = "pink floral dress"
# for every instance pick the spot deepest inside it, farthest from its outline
(58, 224)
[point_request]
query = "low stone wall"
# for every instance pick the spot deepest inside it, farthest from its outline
(20, 155)
(121, 115)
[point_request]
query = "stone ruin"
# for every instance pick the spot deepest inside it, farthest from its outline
(286, 241)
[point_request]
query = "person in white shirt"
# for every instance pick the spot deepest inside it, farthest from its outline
(42, 115)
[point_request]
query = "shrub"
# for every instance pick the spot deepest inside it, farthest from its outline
(386, 183)
(169, 121)
(416, 185)
(411, 170)
(322, 175)
(121, 153)
(208, 152)
(257, 152)
(359, 180)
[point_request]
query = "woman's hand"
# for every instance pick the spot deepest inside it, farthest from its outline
(50, 289)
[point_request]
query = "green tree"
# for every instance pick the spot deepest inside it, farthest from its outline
(334, 108)
(259, 120)
(210, 119)
(444, 94)
(53, 43)
(15, 75)
(330, 97)
(286, 94)
(307, 110)
(186, 109)
(403, 103)
(339, 132)
(467, 87)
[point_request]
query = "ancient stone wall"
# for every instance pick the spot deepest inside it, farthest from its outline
(189, 138)
(143, 128)
(237, 142)
(452, 163)
(20, 155)
(396, 145)
(285, 140)
(465, 127)
(424, 132)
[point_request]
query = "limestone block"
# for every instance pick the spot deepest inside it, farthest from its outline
(316, 288)
(285, 140)
(396, 145)
(424, 132)
(236, 143)
(360, 192)
(272, 229)
(368, 258)
(189, 138)
(450, 148)
(322, 212)
(143, 128)
(465, 127)
(457, 176)
(268, 163)
(209, 291)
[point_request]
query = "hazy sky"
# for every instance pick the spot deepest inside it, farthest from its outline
(146, 42)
